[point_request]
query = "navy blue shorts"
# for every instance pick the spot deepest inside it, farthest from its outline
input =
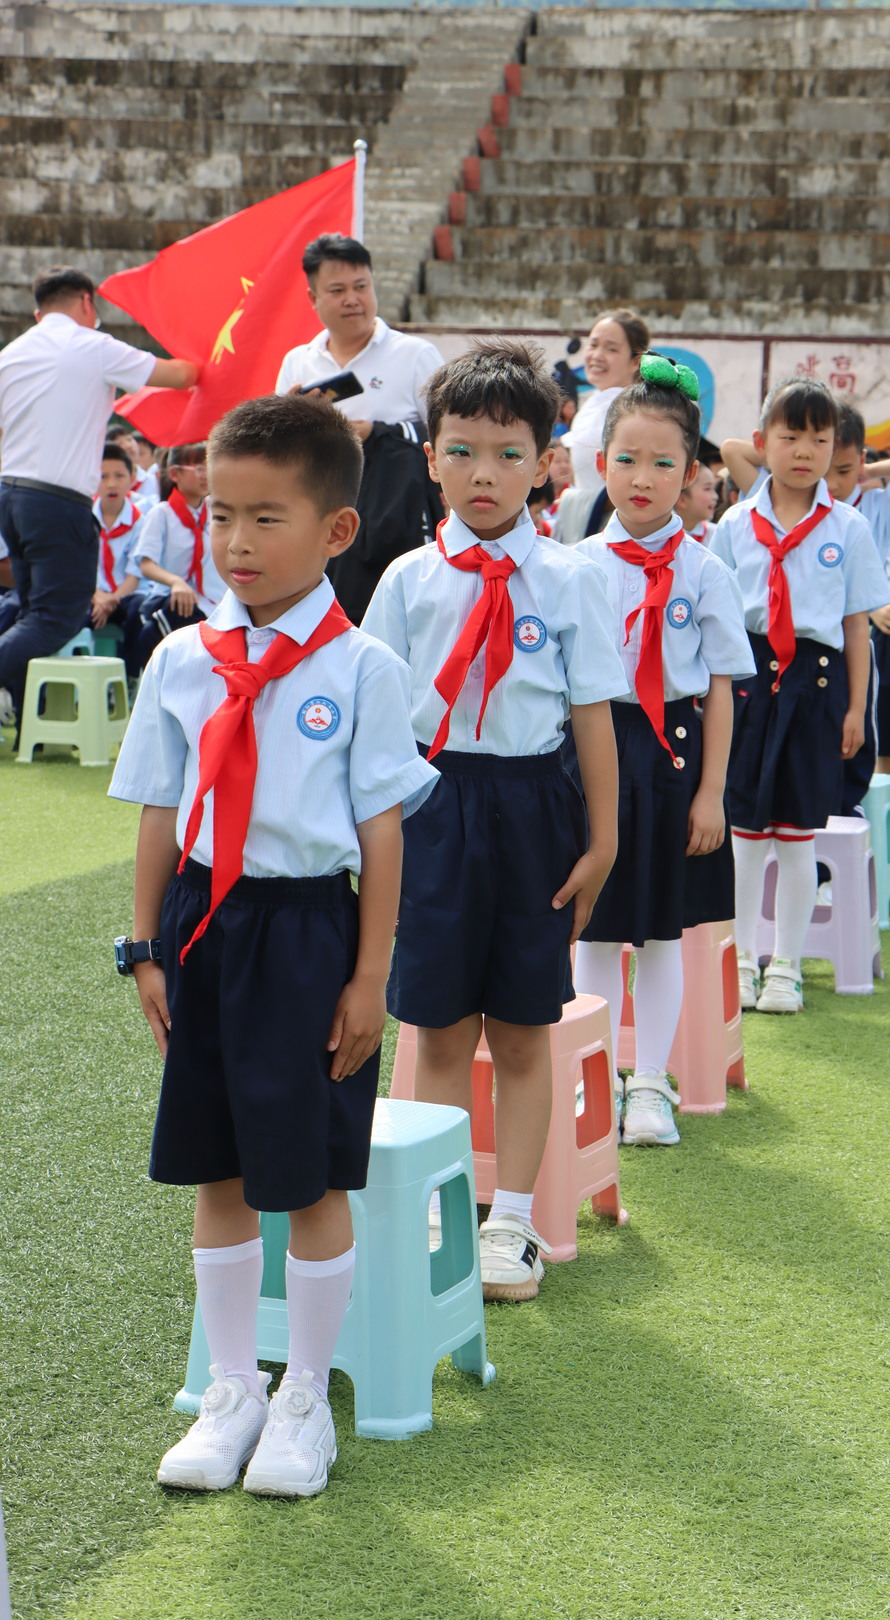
(785, 765)
(655, 889)
(247, 1088)
(484, 857)
(881, 644)
(859, 770)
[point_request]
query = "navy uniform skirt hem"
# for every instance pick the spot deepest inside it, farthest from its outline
(785, 766)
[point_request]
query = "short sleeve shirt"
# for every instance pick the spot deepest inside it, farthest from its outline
(166, 541)
(585, 437)
(122, 546)
(564, 650)
(334, 741)
(703, 632)
(392, 368)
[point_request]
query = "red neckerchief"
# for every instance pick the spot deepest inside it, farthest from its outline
(227, 752)
(780, 626)
(196, 522)
(649, 678)
(492, 617)
(107, 535)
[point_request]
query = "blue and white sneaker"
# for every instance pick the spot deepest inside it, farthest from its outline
(782, 987)
(648, 1114)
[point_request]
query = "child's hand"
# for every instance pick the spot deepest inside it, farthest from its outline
(881, 617)
(853, 735)
(707, 823)
(583, 885)
(359, 1021)
(102, 604)
(182, 598)
(152, 989)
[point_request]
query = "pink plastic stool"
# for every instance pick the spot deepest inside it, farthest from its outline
(846, 933)
(581, 1157)
(707, 1052)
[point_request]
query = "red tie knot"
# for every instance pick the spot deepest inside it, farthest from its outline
(497, 567)
(242, 680)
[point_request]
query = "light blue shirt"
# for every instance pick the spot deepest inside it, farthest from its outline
(704, 623)
(564, 651)
(167, 542)
(122, 548)
(834, 572)
(334, 741)
(874, 506)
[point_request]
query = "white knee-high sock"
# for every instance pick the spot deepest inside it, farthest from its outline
(598, 973)
(750, 856)
(317, 1296)
(228, 1282)
(658, 996)
(795, 893)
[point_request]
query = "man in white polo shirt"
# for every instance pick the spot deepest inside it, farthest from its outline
(397, 501)
(57, 390)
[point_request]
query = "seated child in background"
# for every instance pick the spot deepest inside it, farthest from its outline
(539, 503)
(809, 575)
(173, 552)
(269, 1007)
(118, 577)
(677, 617)
(696, 504)
(506, 635)
(147, 477)
(144, 494)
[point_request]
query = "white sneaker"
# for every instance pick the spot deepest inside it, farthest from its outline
(648, 1115)
(749, 982)
(298, 1444)
(782, 988)
(508, 1258)
(7, 708)
(211, 1456)
(435, 1220)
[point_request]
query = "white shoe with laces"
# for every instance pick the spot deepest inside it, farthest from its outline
(509, 1258)
(749, 982)
(298, 1444)
(7, 708)
(782, 988)
(211, 1456)
(648, 1115)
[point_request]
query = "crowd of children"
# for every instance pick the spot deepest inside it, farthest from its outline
(531, 751)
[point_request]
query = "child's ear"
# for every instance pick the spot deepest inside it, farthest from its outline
(758, 441)
(862, 465)
(542, 470)
(343, 529)
(431, 462)
(691, 474)
(601, 464)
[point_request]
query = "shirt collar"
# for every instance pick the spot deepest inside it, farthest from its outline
(299, 622)
(128, 513)
(55, 316)
(517, 543)
(764, 505)
(379, 333)
(615, 533)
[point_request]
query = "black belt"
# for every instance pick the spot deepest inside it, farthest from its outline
(49, 489)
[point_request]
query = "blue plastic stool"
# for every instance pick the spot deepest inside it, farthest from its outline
(876, 805)
(409, 1308)
(81, 643)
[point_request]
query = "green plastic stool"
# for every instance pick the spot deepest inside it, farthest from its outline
(409, 1308)
(876, 805)
(78, 702)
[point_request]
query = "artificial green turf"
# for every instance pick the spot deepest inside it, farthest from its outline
(690, 1421)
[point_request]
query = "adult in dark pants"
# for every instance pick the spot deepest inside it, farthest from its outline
(57, 389)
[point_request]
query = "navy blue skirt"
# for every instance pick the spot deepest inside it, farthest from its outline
(785, 765)
(484, 857)
(247, 1088)
(655, 889)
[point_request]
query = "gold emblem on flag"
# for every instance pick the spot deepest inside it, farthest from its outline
(224, 343)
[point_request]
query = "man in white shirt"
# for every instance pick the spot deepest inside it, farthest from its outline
(397, 502)
(57, 390)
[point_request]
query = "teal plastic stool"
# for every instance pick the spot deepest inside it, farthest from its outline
(107, 641)
(876, 805)
(81, 643)
(409, 1308)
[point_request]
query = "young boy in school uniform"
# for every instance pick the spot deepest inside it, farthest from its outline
(507, 635)
(174, 552)
(261, 973)
(118, 578)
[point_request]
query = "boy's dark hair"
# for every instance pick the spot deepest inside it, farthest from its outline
(502, 378)
(333, 246)
(116, 432)
(544, 492)
(60, 284)
(112, 451)
(659, 401)
(141, 439)
(801, 403)
(850, 428)
(308, 435)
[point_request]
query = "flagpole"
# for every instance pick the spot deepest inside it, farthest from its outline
(360, 149)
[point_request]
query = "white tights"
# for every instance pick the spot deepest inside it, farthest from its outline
(657, 994)
(795, 890)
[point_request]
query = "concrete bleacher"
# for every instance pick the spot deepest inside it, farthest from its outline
(127, 126)
(723, 171)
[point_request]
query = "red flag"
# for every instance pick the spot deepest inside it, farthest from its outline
(233, 298)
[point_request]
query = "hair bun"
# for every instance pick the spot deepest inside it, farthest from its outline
(666, 373)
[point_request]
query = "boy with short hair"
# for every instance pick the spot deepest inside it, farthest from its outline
(270, 1003)
(144, 486)
(499, 876)
(116, 598)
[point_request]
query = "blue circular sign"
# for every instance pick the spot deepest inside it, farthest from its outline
(319, 717)
(679, 612)
(529, 633)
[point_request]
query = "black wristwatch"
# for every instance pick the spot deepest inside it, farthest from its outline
(127, 951)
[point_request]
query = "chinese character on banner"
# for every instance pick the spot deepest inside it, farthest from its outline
(808, 367)
(843, 380)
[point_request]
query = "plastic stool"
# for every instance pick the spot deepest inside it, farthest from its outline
(876, 805)
(81, 643)
(707, 1052)
(845, 933)
(85, 706)
(408, 1307)
(581, 1157)
(106, 640)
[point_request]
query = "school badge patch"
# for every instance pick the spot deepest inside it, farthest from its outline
(679, 612)
(831, 554)
(529, 634)
(319, 717)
